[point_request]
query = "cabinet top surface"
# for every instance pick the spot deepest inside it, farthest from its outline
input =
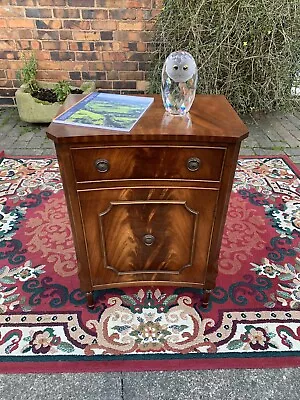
(211, 119)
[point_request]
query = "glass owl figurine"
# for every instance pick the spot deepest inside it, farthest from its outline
(179, 82)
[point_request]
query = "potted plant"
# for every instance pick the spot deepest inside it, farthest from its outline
(39, 101)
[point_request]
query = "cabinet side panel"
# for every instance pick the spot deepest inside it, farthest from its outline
(221, 213)
(69, 185)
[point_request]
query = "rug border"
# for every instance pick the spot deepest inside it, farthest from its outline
(148, 365)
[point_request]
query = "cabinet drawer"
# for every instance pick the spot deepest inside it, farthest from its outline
(155, 162)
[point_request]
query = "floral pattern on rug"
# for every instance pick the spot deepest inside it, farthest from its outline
(50, 234)
(254, 309)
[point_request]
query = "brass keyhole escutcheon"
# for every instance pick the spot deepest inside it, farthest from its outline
(102, 165)
(148, 239)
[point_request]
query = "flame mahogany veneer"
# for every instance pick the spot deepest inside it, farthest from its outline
(148, 207)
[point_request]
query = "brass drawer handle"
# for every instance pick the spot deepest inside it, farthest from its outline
(193, 164)
(102, 165)
(148, 240)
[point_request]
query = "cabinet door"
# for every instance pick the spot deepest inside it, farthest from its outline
(148, 234)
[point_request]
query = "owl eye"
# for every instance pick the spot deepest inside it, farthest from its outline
(185, 67)
(175, 67)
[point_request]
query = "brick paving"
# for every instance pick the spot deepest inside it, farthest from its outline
(270, 134)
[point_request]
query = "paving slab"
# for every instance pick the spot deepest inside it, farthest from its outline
(255, 384)
(81, 386)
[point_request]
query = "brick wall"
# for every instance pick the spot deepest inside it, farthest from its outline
(107, 41)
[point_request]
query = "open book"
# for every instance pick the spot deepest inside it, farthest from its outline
(106, 111)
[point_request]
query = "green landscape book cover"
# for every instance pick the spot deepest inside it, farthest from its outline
(106, 111)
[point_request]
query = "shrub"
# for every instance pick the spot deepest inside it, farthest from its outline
(27, 74)
(248, 50)
(62, 89)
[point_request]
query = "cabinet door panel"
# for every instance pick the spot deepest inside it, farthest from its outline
(144, 234)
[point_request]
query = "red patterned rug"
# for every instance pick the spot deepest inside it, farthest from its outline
(254, 312)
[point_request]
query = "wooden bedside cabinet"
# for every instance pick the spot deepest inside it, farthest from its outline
(148, 207)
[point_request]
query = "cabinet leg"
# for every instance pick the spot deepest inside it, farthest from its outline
(205, 298)
(90, 300)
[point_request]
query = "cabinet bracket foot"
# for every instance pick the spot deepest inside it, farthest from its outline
(205, 298)
(90, 300)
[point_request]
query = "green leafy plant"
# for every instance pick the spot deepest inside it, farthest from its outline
(27, 74)
(248, 50)
(62, 89)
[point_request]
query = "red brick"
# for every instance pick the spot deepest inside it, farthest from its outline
(38, 13)
(24, 33)
(123, 3)
(47, 35)
(53, 45)
(81, 3)
(50, 65)
(127, 36)
(9, 55)
(107, 46)
(12, 65)
(42, 56)
(6, 83)
(104, 25)
(75, 66)
(86, 35)
(122, 14)
(11, 74)
(24, 2)
(142, 47)
(100, 66)
(82, 46)
(94, 14)
(104, 84)
(113, 56)
(7, 45)
(131, 75)
(28, 44)
(131, 26)
(9, 34)
(52, 2)
(53, 75)
(125, 66)
(48, 24)
(113, 75)
(66, 13)
(66, 35)
(87, 56)
(3, 23)
(20, 23)
(76, 24)
(12, 12)
(124, 85)
(109, 3)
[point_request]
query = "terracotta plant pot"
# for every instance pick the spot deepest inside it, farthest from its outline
(37, 111)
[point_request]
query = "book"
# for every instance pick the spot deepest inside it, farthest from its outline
(106, 111)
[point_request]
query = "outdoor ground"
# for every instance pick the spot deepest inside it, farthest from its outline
(270, 134)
